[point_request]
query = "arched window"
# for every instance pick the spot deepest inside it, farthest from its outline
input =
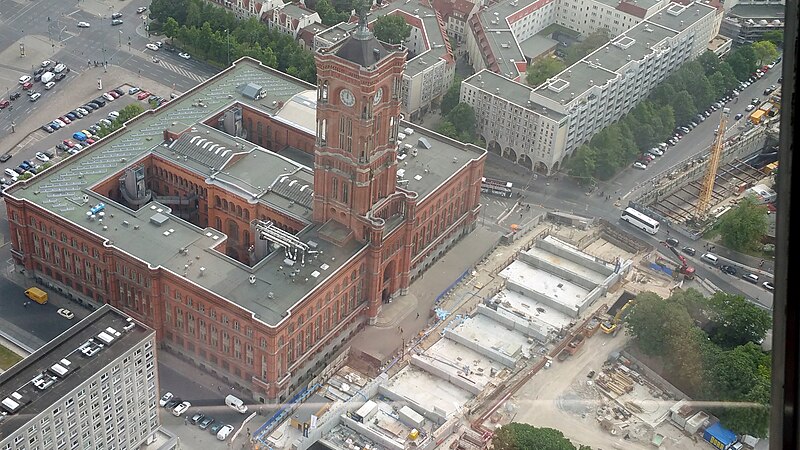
(246, 237)
(238, 210)
(218, 224)
(217, 201)
(247, 215)
(224, 204)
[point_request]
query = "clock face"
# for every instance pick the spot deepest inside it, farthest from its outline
(378, 96)
(347, 97)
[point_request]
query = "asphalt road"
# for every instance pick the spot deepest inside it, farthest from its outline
(30, 323)
(122, 45)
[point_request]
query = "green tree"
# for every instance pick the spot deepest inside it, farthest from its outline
(543, 69)
(684, 107)
(593, 41)
(743, 62)
(327, 13)
(765, 51)
(170, 27)
(654, 321)
(520, 436)
(160, 10)
(736, 320)
(709, 61)
(582, 164)
(740, 379)
(463, 117)
(392, 29)
(129, 112)
(743, 227)
(774, 36)
(451, 98)
(446, 128)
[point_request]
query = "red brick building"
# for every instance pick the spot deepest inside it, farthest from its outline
(257, 221)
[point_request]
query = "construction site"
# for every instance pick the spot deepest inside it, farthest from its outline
(694, 193)
(540, 344)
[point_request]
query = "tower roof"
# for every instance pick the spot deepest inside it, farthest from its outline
(362, 47)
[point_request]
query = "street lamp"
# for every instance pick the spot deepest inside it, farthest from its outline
(228, 34)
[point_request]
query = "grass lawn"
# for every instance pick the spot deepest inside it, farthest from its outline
(8, 358)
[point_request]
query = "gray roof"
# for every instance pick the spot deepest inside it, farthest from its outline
(253, 173)
(756, 12)
(511, 91)
(18, 379)
(364, 52)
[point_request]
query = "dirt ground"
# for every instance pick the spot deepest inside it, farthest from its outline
(561, 398)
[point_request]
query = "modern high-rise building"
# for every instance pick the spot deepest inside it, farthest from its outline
(257, 221)
(93, 387)
(539, 127)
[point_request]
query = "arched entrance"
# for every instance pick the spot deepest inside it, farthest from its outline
(555, 168)
(525, 161)
(387, 283)
(510, 154)
(540, 167)
(494, 147)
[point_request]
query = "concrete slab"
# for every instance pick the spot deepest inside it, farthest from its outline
(654, 410)
(571, 266)
(427, 390)
(535, 311)
(457, 360)
(606, 250)
(545, 283)
(489, 333)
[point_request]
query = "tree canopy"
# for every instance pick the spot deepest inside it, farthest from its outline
(459, 124)
(214, 34)
(543, 69)
(724, 367)
(592, 42)
(743, 227)
(765, 51)
(689, 90)
(392, 29)
(521, 436)
(451, 97)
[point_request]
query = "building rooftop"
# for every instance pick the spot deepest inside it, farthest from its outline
(757, 12)
(459, 361)
(526, 307)
(536, 45)
(511, 91)
(337, 32)
(428, 391)
(543, 282)
(52, 372)
(240, 166)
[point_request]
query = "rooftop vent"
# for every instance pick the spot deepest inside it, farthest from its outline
(159, 219)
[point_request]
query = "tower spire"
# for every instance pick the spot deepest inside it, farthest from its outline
(363, 32)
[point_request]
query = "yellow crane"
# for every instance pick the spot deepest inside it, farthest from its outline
(704, 198)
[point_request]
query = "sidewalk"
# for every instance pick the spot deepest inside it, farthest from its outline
(407, 319)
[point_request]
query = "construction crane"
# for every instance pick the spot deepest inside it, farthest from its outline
(704, 198)
(685, 268)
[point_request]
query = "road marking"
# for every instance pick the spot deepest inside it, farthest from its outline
(182, 71)
(74, 12)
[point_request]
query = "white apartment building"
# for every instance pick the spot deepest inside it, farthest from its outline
(586, 16)
(430, 69)
(244, 9)
(93, 387)
(539, 127)
(290, 19)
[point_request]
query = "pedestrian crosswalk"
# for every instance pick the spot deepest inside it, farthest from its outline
(182, 71)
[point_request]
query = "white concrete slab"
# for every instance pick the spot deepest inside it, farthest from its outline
(532, 310)
(492, 334)
(427, 390)
(566, 264)
(545, 283)
(458, 360)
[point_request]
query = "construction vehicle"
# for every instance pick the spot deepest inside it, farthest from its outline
(685, 268)
(707, 187)
(612, 325)
(757, 116)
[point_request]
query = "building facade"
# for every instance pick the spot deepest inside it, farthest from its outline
(539, 127)
(269, 221)
(93, 387)
(290, 19)
(746, 22)
(244, 9)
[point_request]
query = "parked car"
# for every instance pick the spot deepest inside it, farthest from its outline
(48, 128)
(59, 76)
(638, 165)
(143, 95)
(730, 270)
(27, 85)
(751, 277)
(5, 157)
(116, 15)
(205, 422)
(35, 96)
(196, 418)
(672, 242)
(42, 157)
(141, 9)
(656, 151)
(689, 251)
(180, 409)
(738, 116)
(65, 313)
(152, 47)
(768, 286)
(133, 90)
(214, 429)
(224, 432)
(116, 22)
(83, 25)
(14, 96)
(173, 402)
(749, 108)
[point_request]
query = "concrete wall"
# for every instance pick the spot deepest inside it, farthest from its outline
(575, 256)
(433, 414)
(570, 310)
(530, 328)
(660, 187)
(442, 373)
(332, 417)
(494, 355)
(561, 272)
(373, 435)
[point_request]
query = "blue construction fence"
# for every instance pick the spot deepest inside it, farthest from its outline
(452, 285)
(282, 413)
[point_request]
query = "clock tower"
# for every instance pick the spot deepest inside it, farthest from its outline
(358, 114)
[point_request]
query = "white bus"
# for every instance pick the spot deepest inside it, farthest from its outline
(640, 221)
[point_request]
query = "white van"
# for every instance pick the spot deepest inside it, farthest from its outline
(47, 77)
(236, 404)
(59, 68)
(408, 131)
(710, 257)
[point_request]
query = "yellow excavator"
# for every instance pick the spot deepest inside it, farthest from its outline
(611, 326)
